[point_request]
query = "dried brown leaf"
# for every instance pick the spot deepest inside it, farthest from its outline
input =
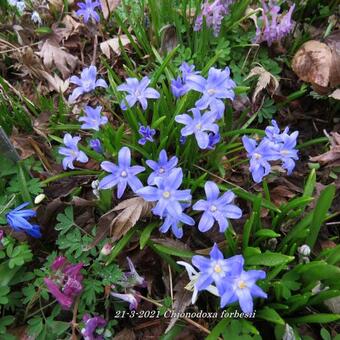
(19, 142)
(53, 54)
(331, 157)
(108, 6)
(113, 44)
(265, 80)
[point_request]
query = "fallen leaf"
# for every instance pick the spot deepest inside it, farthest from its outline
(113, 44)
(335, 94)
(265, 80)
(19, 142)
(108, 6)
(125, 334)
(281, 194)
(55, 82)
(53, 54)
(169, 38)
(330, 158)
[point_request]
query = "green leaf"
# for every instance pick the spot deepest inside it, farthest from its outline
(145, 235)
(270, 315)
(267, 233)
(315, 318)
(66, 221)
(320, 212)
(269, 259)
(3, 295)
(173, 251)
(4, 322)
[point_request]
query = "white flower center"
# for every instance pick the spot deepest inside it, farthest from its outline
(257, 155)
(123, 173)
(241, 284)
(161, 171)
(166, 194)
(284, 152)
(217, 268)
(211, 91)
(213, 208)
(198, 126)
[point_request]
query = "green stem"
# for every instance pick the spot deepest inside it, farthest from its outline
(69, 174)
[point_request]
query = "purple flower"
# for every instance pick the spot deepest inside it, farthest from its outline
(182, 139)
(216, 269)
(216, 208)
(86, 83)
(18, 221)
(216, 87)
(273, 26)
(178, 86)
(132, 299)
(274, 133)
(259, 156)
(93, 118)
(138, 91)
(241, 286)
(287, 151)
(162, 168)
(66, 283)
(87, 10)
(121, 174)
(96, 145)
(198, 125)
(214, 138)
(175, 223)
(133, 277)
(72, 152)
(166, 194)
(91, 326)
(147, 134)
(213, 13)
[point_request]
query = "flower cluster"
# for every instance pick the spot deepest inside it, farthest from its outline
(130, 282)
(273, 26)
(91, 326)
(213, 14)
(164, 189)
(18, 220)
(274, 146)
(66, 282)
(87, 10)
(225, 278)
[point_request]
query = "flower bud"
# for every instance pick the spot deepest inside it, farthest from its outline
(304, 250)
(39, 198)
(106, 250)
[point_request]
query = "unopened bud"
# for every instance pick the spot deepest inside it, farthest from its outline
(106, 250)
(304, 250)
(39, 198)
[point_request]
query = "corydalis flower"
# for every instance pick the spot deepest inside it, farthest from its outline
(146, 133)
(72, 152)
(128, 297)
(86, 83)
(199, 125)
(162, 168)
(66, 282)
(92, 324)
(122, 174)
(273, 26)
(213, 13)
(18, 220)
(216, 87)
(216, 208)
(166, 194)
(93, 118)
(216, 270)
(241, 286)
(87, 10)
(138, 91)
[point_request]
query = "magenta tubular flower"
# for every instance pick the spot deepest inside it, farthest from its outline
(215, 88)
(162, 168)
(92, 324)
(66, 282)
(128, 297)
(199, 125)
(213, 14)
(217, 269)
(93, 119)
(216, 208)
(87, 10)
(241, 286)
(72, 152)
(166, 194)
(273, 26)
(86, 83)
(122, 174)
(138, 91)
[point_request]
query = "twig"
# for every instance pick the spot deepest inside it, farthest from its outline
(74, 319)
(95, 44)
(171, 287)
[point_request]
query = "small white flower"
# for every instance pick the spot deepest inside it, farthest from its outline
(193, 276)
(304, 250)
(35, 17)
(39, 198)
(20, 5)
(94, 186)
